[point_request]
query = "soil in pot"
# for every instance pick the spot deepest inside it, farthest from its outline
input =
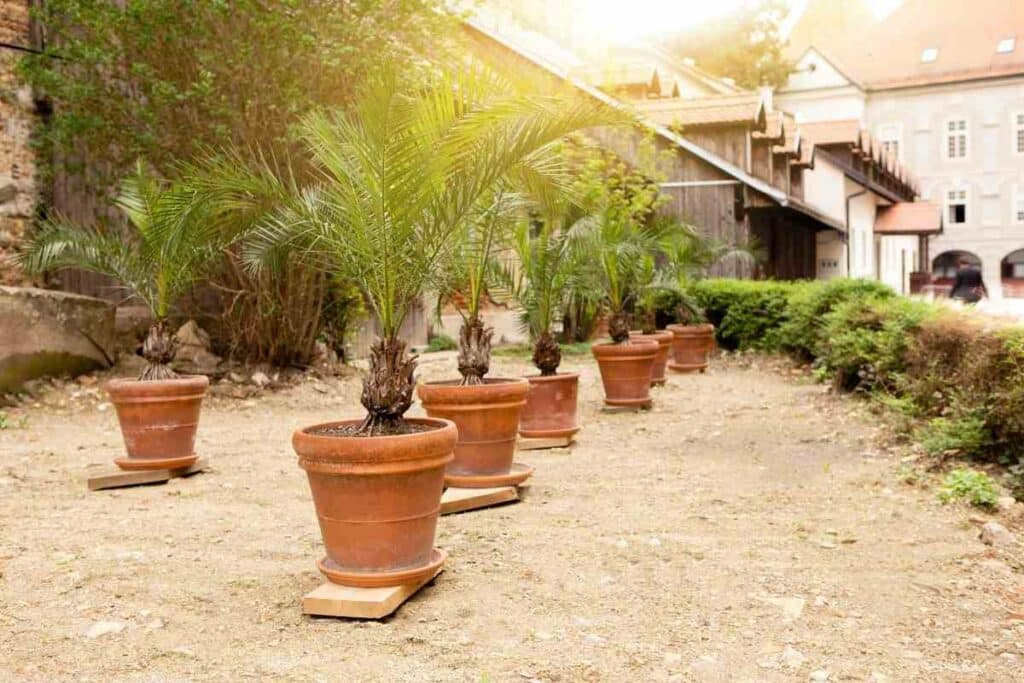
(377, 499)
(487, 416)
(691, 347)
(664, 341)
(626, 372)
(550, 410)
(158, 420)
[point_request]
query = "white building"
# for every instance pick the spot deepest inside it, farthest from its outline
(940, 85)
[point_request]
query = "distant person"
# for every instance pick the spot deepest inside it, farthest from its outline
(968, 285)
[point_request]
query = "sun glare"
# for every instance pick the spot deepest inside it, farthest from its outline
(629, 22)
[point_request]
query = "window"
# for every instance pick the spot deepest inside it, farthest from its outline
(891, 137)
(1018, 133)
(1018, 205)
(956, 139)
(956, 207)
(1006, 45)
(929, 54)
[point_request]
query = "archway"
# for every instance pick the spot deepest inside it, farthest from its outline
(1011, 270)
(945, 264)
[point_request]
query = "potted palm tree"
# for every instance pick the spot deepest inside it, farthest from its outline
(537, 274)
(167, 251)
(485, 409)
(689, 257)
(401, 174)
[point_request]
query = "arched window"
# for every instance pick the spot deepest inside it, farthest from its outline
(945, 264)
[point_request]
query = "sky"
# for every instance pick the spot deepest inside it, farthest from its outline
(619, 21)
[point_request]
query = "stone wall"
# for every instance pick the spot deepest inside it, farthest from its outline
(17, 170)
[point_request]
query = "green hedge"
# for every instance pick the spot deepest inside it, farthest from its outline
(956, 376)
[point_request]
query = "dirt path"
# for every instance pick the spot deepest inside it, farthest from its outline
(746, 529)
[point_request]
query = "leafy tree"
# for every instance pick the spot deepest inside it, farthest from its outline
(171, 246)
(401, 174)
(744, 45)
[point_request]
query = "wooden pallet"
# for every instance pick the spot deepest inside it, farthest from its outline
(462, 500)
(334, 600)
(117, 478)
(525, 444)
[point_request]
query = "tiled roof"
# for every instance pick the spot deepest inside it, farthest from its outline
(773, 129)
(724, 110)
(791, 142)
(888, 54)
(909, 218)
(832, 132)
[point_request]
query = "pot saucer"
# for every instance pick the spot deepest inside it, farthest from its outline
(156, 463)
(340, 576)
(629, 402)
(516, 475)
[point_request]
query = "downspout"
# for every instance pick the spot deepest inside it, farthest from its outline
(848, 198)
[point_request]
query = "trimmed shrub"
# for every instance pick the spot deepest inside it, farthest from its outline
(746, 314)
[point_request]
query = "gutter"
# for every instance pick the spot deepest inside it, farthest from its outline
(848, 255)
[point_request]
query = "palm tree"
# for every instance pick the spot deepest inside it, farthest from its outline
(171, 245)
(401, 176)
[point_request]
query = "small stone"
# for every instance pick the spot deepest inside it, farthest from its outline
(819, 676)
(1006, 503)
(877, 677)
(621, 543)
(543, 635)
(791, 658)
(827, 545)
(995, 534)
(155, 624)
(913, 654)
(102, 628)
(654, 541)
(1009, 656)
(594, 639)
(260, 379)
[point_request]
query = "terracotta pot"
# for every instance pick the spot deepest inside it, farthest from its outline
(691, 346)
(550, 410)
(487, 416)
(664, 340)
(626, 372)
(377, 499)
(158, 420)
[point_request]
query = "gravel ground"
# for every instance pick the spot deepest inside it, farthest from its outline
(751, 527)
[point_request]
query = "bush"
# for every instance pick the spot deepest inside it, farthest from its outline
(970, 485)
(441, 342)
(966, 436)
(746, 314)
(802, 334)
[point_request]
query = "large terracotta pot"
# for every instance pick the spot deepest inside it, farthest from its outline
(487, 416)
(377, 499)
(691, 346)
(626, 372)
(158, 420)
(664, 340)
(550, 410)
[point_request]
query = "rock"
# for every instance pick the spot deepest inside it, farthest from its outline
(994, 533)
(877, 677)
(102, 628)
(131, 323)
(155, 624)
(260, 379)
(819, 676)
(193, 355)
(791, 658)
(1006, 503)
(50, 333)
(791, 608)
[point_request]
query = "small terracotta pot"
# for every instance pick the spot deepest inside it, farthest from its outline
(158, 420)
(691, 347)
(664, 340)
(626, 372)
(377, 499)
(487, 416)
(550, 410)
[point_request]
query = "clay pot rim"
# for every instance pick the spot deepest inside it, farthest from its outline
(493, 392)
(658, 336)
(305, 433)
(612, 350)
(690, 329)
(128, 384)
(457, 383)
(551, 378)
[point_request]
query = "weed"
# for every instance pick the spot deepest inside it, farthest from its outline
(971, 485)
(441, 342)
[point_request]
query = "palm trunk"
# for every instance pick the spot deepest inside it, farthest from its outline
(474, 350)
(158, 350)
(388, 388)
(618, 327)
(546, 355)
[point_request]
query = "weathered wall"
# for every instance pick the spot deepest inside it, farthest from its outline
(17, 170)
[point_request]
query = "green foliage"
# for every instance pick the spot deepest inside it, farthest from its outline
(744, 44)
(746, 314)
(343, 307)
(865, 340)
(167, 79)
(971, 485)
(965, 436)
(802, 332)
(441, 342)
